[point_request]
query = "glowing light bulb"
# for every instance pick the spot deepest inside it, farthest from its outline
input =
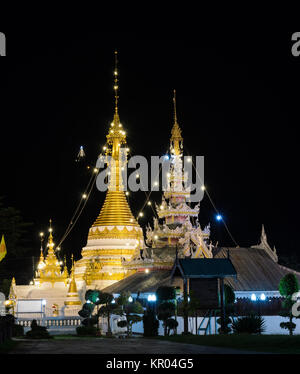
(155, 183)
(263, 297)
(84, 196)
(126, 193)
(41, 234)
(219, 217)
(149, 203)
(95, 170)
(104, 148)
(147, 271)
(189, 159)
(155, 237)
(203, 187)
(141, 214)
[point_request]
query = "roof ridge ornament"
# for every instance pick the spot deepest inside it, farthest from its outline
(265, 245)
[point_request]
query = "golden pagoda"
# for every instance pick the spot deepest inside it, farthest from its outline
(49, 269)
(72, 296)
(115, 235)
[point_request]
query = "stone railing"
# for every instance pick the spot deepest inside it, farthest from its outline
(51, 322)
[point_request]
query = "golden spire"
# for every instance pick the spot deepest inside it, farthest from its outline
(12, 290)
(115, 210)
(116, 83)
(176, 138)
(65, 271)
(72, 291)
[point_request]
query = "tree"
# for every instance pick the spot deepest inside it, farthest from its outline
(288, 285)
(131, 310)
(15, 232)
(95, 298)
(151, 323)
(165, 311)
(107, 308)
(5, 286)
(14, 229)
(166, 298)
(164, 293)
(229, 299)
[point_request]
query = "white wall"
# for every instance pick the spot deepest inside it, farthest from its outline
(272, 324)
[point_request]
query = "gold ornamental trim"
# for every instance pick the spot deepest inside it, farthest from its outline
(72, 302)
(115, 233)
(107, 252)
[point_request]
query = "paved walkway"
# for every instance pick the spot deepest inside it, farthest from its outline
(116, 346)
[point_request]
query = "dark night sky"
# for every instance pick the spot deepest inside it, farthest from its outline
(237, 102)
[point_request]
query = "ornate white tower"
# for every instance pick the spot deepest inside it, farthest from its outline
(180, 220)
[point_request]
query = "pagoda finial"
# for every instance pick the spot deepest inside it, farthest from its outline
(176, 138)
(175, 112)
(116, 83)
(50, 239)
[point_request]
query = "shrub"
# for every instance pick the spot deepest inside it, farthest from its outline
(251, 324)
(37, 332)
(86, 330)
(171, 324)
(288, 326)
(122, 323)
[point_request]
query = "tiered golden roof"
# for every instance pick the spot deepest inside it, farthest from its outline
(49, 269)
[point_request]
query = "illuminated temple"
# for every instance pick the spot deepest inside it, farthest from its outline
(118, 258)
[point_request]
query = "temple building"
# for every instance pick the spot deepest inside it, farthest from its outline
(51, 283)
(116, 256)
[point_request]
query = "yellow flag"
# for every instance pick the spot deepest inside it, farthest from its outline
(2, 249)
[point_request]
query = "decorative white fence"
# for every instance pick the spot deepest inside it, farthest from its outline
(55, 325)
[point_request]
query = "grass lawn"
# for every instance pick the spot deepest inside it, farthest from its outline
(258, 343)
